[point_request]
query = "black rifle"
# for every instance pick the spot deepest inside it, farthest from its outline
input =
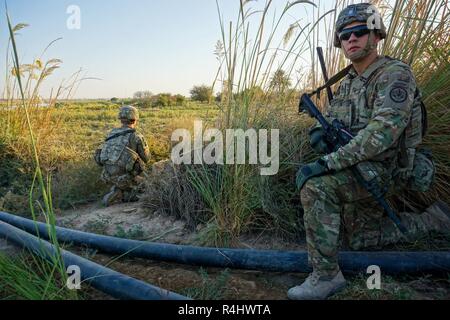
(336, 136)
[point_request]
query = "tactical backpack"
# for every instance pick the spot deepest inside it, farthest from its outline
(116, 152)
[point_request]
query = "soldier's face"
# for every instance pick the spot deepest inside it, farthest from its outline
(355, 45)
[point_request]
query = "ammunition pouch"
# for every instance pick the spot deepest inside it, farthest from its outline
(423, 171)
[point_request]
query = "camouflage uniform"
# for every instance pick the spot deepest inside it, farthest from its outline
(118, 170)
(123, 156)
(377, 106)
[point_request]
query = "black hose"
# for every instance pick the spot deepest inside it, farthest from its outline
(269, 260)
(115, 284)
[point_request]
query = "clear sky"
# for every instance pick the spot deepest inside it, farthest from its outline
(156, 45)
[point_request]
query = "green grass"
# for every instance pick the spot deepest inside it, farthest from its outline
(210, 288)
(98, 225)
(27, 277)
(135, 232)
(406, 287)
(390, 290)
(79, 128)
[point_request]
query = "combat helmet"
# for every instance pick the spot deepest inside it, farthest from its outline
(128, 113)
(361, 12)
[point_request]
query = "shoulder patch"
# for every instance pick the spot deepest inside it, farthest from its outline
(398, 94)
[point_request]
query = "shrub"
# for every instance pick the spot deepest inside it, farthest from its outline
(201, 93)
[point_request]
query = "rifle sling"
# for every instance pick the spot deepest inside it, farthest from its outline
(334, 79)
(120, 134)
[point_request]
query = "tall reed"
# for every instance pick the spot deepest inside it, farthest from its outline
(251, 52)
(252, 97)
(28, 98)
(419, 35)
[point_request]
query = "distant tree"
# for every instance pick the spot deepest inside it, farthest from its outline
(162, 100)
(201, 93)
(146, 94)
(138, 95)
(142, 94)
(254, 93)
(114, 100)
(280, 81)
(180, 100)
(219, 97)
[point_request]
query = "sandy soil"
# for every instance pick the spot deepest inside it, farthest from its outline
(129, 218)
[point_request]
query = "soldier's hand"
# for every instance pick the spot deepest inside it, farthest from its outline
(318, 140)
(310, 170)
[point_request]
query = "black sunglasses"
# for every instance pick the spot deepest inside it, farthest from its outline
(358, 31)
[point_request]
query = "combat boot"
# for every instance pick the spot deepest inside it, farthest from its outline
(114, 195)
(130, 195)
(437, 217)
(317, 287)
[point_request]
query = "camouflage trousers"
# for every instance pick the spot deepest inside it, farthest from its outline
(337, 209)
(129, 184)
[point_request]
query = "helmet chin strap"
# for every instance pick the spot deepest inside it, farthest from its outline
(370, 46)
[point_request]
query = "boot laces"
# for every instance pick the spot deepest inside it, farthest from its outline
(315, 277)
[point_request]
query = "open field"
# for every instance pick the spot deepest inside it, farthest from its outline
(80, 127)
(77, 130)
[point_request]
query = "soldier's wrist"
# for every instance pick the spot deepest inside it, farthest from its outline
(328, 163)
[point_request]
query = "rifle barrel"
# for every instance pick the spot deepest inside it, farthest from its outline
(324, 72)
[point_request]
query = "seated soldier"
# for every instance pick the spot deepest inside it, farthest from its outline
(123, 156)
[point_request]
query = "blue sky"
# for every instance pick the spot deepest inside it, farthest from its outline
(156, 45)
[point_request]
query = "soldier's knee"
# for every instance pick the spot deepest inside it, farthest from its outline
(317, 187)
(310, 186)
(308, 193)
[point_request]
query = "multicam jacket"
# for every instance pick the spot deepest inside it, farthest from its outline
(377, 107)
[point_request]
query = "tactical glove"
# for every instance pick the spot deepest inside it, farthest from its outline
(318, 140)
(310, 170)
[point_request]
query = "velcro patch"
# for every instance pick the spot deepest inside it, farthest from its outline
(398, 94)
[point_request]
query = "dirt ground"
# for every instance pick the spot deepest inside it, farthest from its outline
(132, 221)
(203, 283)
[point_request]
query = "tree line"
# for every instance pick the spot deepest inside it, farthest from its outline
(279, 83)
